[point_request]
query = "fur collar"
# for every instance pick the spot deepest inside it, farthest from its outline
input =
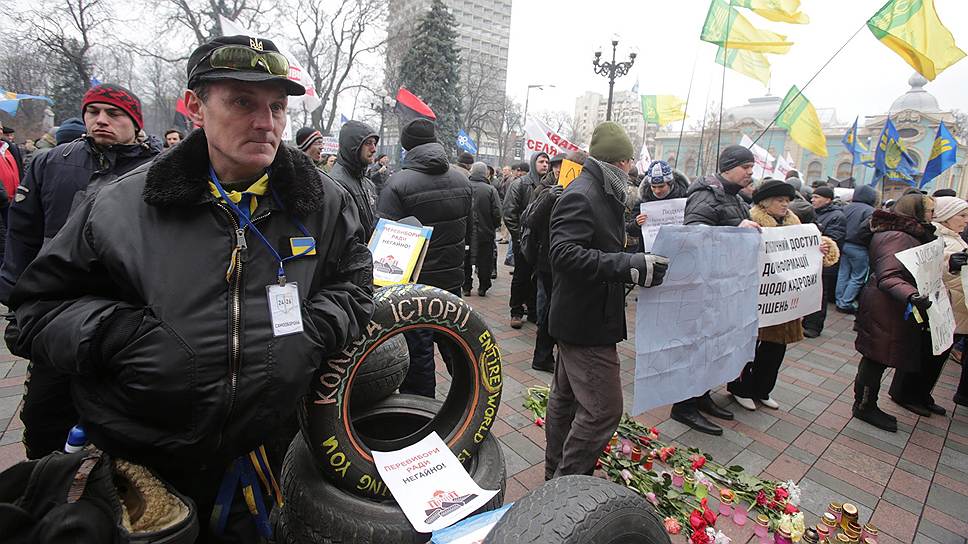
(180, 177)
(759, 215)
(884, 221)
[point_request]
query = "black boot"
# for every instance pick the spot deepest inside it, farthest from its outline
(707, 405)
(867, 385)
(688, 415)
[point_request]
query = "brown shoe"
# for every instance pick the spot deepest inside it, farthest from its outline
(516, 322)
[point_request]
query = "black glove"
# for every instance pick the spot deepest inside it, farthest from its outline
(116, 332)
(648, 270)
(556, 190)
(956, 261)
(921, 302)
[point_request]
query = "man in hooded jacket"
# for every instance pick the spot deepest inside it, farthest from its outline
(523, 286)
(854, 260)
(357, 147)
(487, 218)
(52, 185)
(438, 196)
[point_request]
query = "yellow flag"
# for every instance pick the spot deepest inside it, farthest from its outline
(748, 63)
(726, 27)
(663, 109)
(569, 171)
(799, 117)
(782, 11)
(912, 29)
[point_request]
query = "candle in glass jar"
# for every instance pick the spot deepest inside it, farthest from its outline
(689, 484)
(677, 477)
(823, 531)
(739, 513)
(636, 454)
(647, 465)
(849, 515)
(836, 510)
(782, 536)
(830, 520)
(726, 498)
(869, 531)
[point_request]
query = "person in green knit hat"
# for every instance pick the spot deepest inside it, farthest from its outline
(587, 315)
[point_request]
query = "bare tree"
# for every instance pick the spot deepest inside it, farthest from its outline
(163, 83)
(560, 121)
(24, 67)
(960, 128)
(201, 17)
(510, 118)
(482, 100)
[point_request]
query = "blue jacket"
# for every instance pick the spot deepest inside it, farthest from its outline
(47, 193)
(830, 220)
(857, 214)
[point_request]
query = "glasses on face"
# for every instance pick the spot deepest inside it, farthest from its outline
(238, 57)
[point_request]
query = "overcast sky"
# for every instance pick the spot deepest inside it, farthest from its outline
(554, 43)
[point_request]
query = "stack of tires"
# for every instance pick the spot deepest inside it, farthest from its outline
(333, 492)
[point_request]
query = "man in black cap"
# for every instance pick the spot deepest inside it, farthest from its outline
(714, 200)
(191, 301)
(833, 224)
(439, 196)
(310, 142)
(357, 147)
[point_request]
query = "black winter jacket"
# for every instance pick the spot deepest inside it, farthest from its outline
(543, 201)
(48, 191)
(518, 197)
(709, 204)
(857, 215)
(199, 377)
(429, 189)
(832, 223)
(487, 211)
(590, 267)
(350, 172)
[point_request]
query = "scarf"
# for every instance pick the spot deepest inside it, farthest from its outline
(615, 179)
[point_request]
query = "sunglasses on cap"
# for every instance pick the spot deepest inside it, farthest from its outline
(241, 58)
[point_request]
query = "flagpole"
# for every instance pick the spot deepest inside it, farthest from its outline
(722, 91)
(804, 88)
(686, 110)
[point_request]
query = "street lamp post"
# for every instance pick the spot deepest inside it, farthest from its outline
(384, 107)
(612, 70)
(527, 97)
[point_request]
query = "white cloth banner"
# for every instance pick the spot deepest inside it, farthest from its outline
(297, 73)
(539, 138)
(431, 486)
(926, 263)
(658, 213)
(645, 158)
(763, 161)
(783, 165)
(790, 267)
(698, 328)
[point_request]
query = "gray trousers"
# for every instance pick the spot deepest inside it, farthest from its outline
(584, 408)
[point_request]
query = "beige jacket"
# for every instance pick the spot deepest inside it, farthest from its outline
(953, 244)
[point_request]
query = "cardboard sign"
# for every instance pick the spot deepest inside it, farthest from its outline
(790, 266)
(398, 252)
(431, 486)
(927, 264)
(569, 171)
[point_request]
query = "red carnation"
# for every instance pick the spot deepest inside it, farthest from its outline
(790, 509)
(699, 537)
(781, 494)
(697, 522)
(697, 461)
(761, 498)
(707, 515)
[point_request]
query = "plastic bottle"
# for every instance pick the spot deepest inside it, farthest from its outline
(76, 440)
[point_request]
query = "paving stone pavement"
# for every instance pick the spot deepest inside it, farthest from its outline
(913, 483)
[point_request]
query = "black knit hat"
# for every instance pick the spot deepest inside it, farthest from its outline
(825, 192)
(772, 188)
(418, 132)
(733, 156)
(306, 136)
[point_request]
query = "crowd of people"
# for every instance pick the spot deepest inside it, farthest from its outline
(137, 268)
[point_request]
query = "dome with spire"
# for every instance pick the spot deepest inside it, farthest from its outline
(917, 98)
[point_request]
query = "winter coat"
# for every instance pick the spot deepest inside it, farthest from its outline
(192, 374)
(832, 224)
(953, 244)
(429, 189)
(350, 171)
(883, 333)
(680, 185)
(791, 331)
(857, 215)
(48, 191)
(709, 204)
(543, 201)
(487, 213)
(518, 197)
(589, 264)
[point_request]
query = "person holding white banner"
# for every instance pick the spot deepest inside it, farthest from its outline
(889, 331)
(771, 208)
(661, 182)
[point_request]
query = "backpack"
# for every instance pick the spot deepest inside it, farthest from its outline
(75, 498)
(530, 239)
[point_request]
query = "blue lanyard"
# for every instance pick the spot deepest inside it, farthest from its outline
(244, 220)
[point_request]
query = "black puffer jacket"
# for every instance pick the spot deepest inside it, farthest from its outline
(543, 201)
(197, 377)
(857, 215)
(832, 223)
(429, 189)
(590, 267)
(709, 204)
(48, 190)
(349, 171)
(518, 197)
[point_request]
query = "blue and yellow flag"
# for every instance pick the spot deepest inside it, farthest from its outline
(891, 160)
(853, 143)
(943, 155)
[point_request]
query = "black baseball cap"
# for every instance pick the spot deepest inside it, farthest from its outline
(241, 58)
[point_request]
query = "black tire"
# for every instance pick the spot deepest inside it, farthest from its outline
(580, 510)
(382, 372)
(463, 421)
(318, 512)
